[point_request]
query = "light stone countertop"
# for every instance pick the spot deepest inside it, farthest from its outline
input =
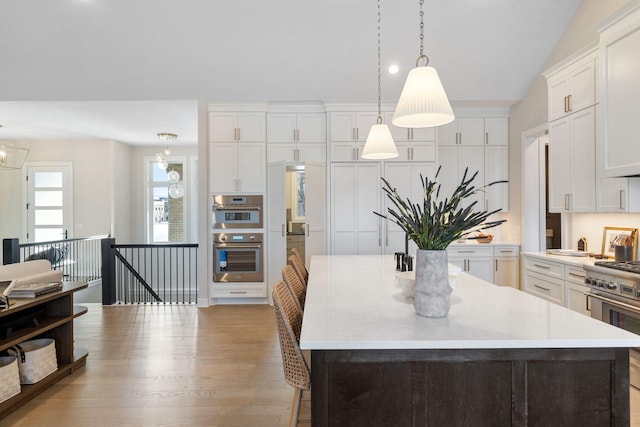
(574, 260)
(353, 302)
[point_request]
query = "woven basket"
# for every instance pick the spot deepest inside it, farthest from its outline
(36, 359)
(9, 378)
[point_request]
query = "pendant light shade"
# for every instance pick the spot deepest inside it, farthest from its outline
(423, 101)
(379, 144)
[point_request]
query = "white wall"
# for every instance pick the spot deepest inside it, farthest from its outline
(531, 111)
(121, 215)
(91, 161)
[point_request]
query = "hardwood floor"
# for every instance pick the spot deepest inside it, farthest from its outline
(169, 366)
(175, 366)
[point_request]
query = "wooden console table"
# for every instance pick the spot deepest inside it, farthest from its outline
(55, 313)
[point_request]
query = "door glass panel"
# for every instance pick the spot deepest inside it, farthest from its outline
(48, 198)
(48, 179)
(160, 214)
(48, 217)
(48, 234)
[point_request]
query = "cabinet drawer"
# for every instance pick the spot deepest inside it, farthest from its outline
(574, 275)
(506, 251)
(239, 291)
(471, 251)
(544, 287)
(547, 268)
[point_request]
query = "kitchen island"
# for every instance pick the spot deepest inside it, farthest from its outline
(500, 357)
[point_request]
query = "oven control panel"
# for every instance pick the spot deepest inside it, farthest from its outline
(611, 284)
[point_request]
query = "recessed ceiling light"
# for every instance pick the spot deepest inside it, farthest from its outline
(393, 69)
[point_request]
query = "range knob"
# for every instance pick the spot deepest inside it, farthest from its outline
(611, 285)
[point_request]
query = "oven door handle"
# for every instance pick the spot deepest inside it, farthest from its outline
(614, 302)
(236, 207)
(237, 246)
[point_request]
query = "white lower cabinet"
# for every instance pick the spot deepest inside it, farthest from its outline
(355, 195)
(558, 282)
(506, 261)
(473, 259)
(575, 290)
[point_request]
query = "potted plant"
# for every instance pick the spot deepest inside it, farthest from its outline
(433, 223)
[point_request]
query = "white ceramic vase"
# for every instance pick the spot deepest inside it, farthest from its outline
(431, 287)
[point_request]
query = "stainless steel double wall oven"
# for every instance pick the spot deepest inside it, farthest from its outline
(238, 253)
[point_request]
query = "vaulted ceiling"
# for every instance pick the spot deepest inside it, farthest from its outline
(127, 69)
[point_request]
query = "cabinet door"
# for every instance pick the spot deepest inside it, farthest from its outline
(222, 126)
(251, 127)
(612, 195)
(281, 152)
(620, 92)
(448, 134)
(343, 126)
(559, 87)
(422, 151)
(448, 177)
(312, 127)
(364, 121)
(506, 271)
(343, 152)
(471, 130)
(223, 167)
(481, 268)
(583, 172)
(575, 298)
(423, 134)
(472, 158)
(355, 194)
(496, 160)
(583, 85)
(308, 152)
(251, 167)
(559, 165)
(281, 127)
(496, 130)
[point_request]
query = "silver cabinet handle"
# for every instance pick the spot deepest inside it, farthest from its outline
(238, 134)
(622, 200)
(566, 202)
(546, 267)
(566, 110)
(357, 133)
(486, 138)
(466, 252)
(282, 230)
(237, 292)
(496, 265)
(569, 103)
(306, 228)
(581, 276)
(542, 287)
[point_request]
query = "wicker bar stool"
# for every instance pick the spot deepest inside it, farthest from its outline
(289, 323)
(292, 280)
(299, 267)
(294, 251)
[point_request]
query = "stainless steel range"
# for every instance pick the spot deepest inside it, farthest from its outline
(615, 299)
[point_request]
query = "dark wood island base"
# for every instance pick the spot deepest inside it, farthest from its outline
(478, 387)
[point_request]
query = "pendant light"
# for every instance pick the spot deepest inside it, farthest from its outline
(379, 143)
(423, 101)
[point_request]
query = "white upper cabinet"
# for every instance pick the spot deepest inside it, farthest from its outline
(349, 131)
(416, 144)
(296, 137)
(572, 180)
(462, 131)
(619, 126)
(573, 88)
(302, 127)
(496, 131)
(236, 126)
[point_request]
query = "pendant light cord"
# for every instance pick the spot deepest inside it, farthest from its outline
(422, 55)
(379, 120)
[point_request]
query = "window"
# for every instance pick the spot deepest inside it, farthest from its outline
(166, 215)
